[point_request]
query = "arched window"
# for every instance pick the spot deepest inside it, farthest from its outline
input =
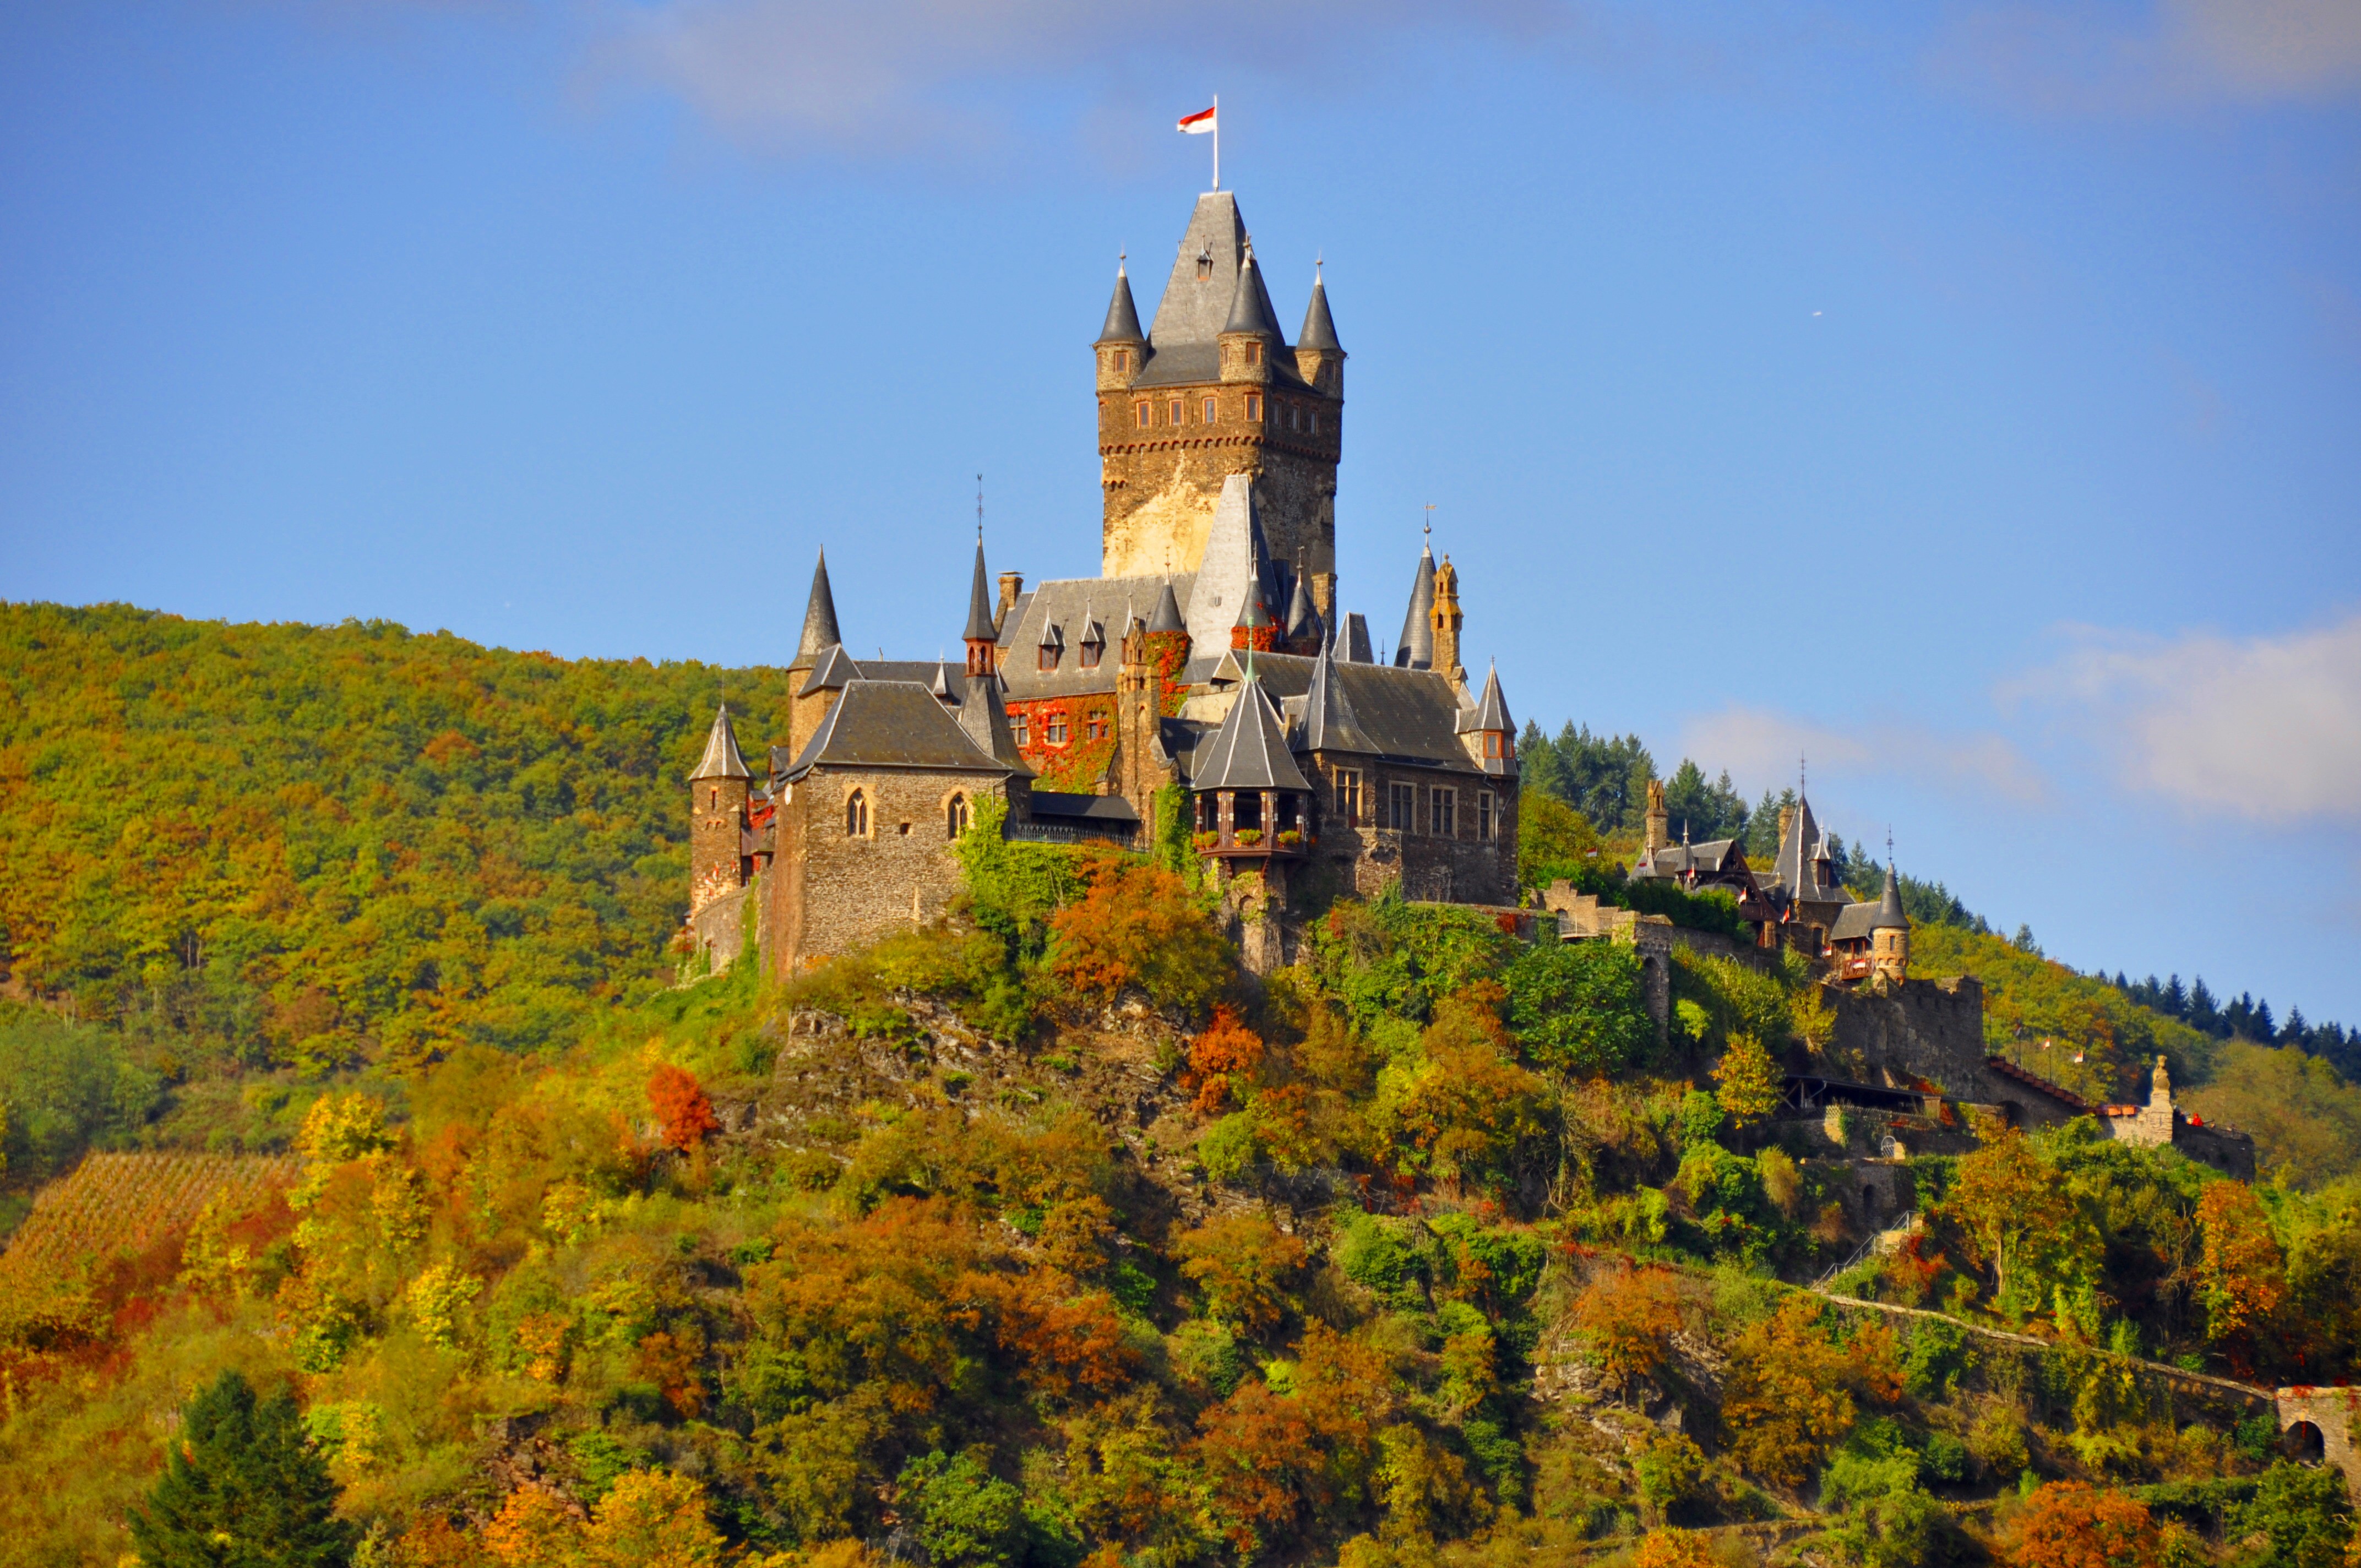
(856, 814)
(959, 817)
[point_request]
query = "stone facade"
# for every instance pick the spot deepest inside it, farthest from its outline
(2316, 1426)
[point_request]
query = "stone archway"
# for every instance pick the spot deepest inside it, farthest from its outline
(2329, 1414)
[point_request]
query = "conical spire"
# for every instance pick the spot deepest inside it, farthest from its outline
(819, 620)
(1328, 723)
(1416, 648)
(1167, 613)
(1122, 316)
(1250, 304)
(1318, 326)
(1302, 615)
(979, 601)
(1491, 708)
(1249, 750)
(945, 686)
(721, 760)
(1890, 914)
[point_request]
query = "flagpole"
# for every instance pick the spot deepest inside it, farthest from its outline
(1218, 142)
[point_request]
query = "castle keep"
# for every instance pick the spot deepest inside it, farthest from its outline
(1208, 664)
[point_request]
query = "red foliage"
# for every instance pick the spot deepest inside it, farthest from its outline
(1065, 1334)
(2071, 1526)
(683, 1111)
(1260, 1455)
(1223, 1062)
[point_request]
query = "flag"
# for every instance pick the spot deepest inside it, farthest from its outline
(1198, 123)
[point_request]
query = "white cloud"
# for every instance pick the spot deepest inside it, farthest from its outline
(1758, 743)
(2183, 51)
(2267, 727)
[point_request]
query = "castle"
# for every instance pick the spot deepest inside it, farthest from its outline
(1207, 669)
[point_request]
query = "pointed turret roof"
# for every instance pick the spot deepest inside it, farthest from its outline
(979, 601)
(1198, 296)
(721, 760)
(1254, 613)
(1797, 868)
(1167, 613)
(1249, 750)
(819, 620)
(1302, 615)
(983, 718)
(1416, 648)
(1356, 631)
(1318, 326)
(945, 686)
(1122, 316)
(1890, 915)
(1250, 302)
(1328, 723)
(1491, 711)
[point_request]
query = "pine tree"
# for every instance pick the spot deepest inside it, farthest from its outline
(2176, 999)
(242, 1488)
(2295, 1031)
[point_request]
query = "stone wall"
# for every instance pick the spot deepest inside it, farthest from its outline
(1922, 1029)
(831, 891)
(2331, 1413)
(718, 930)
(1461, 868)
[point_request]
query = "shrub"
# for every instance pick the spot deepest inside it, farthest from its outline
(684, 1115)
(1628, 1319)
(1575, 1007)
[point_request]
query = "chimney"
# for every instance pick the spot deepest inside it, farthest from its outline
(1011, 585)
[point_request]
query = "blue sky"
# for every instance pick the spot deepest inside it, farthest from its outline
(1969, 398)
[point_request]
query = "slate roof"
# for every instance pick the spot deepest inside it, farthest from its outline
(1066, 603)
(1491, 711)
(1249, 750)
(979, 601)
(1057, 807)
(891, 724)
(1325, 720)
(1795, 872)
(838, 668)
(1858, 921)
(1302, 615)
(1408, 715)
(1122, 316)
(820, 617)
(721, 760)
(983, 719)
(1714, 857)
(1357, 639)
(1416, 648)
(1250, 304)
(1318, 326)
(1167, 613)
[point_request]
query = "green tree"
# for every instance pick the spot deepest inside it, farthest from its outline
(961, 1514)
(242, 1488)
(2303, 1512)
(1749, 1082)
(1577, 1007)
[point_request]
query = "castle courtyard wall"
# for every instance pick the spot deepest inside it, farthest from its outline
(834, 891)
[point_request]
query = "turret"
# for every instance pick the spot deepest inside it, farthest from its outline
(1658, 821)
(1250, 336)
(820, 634)
(1319, 357)
(1122, 347)
(1305, 633)
(1889, 933)
(1416, 648)
(1447, 619)
(980, 636)
(716, 816)
(1491, 735)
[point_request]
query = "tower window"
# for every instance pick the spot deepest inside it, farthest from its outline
(1172, 415)
(1139, 411)
(1491, 743)
(856, 814)
(1205, 264)
(1254, 407)
(1121, 358)
(1208, 411)
(1315, 421)
(1348, 796)
(1254, 353)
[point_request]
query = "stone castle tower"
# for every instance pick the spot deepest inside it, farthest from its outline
(718, 793)
(1211, 390)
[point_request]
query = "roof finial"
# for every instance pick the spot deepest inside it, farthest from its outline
(1430, 520)
(979, 509)
(1319, 259)
(1120, 258)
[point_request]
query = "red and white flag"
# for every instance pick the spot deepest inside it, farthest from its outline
(1199, 123)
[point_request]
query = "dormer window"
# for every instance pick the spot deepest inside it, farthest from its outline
(1053, 644)
(1205, 265)
(1092, 648)
(1492, 739)
(1048, 658)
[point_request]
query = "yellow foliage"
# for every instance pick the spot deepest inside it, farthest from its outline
(436, 1297)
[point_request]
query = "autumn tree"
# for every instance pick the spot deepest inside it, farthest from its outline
(1628, 1319)
(684, 1115)
(1673, 1548)
(1223, 1062)
(2013, 1211)
(1136, 924)
(1748, 1081)
(1241, 1262)
(2241, 1273)
(2072, 1526)
(1791, 1385)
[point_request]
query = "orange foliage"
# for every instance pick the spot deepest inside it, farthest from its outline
(1791, 1386)
(669, 1360)
(683, 1111)
(1673, 1548)
(2242, 1276)
(1260, 1454)
(2071, 1526)
(1136, 924)
(1065, 1334)
(533, 1529)
(1241, 1262)
(1223, 1062)
(1628, 1319)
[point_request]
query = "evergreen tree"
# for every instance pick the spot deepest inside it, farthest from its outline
(1540, 765)
(2176, 999)
(2023, 941)
(2260, 1023)
(242, 1488)
(2293, 1031)
(2204, 1013)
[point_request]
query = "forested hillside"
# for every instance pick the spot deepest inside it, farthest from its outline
(316, 846)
